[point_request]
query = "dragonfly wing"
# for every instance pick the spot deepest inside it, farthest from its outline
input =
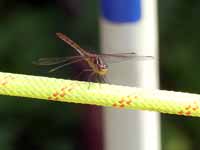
(66, 64)
(119, 54)
(121, 57)
(55, 60)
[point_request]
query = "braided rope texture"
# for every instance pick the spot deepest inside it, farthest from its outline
(123, 97)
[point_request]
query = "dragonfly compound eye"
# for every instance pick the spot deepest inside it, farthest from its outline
(103, 66)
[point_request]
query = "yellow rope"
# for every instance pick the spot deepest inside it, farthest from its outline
(99, 94)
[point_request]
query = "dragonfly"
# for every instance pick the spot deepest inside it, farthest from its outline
(97, 63)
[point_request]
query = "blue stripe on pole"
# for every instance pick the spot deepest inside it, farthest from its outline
(121, 10)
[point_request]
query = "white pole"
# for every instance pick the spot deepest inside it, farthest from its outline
(124, 31)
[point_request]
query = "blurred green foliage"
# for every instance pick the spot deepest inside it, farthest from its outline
(179, 44)
(27, 32)
(179, 59)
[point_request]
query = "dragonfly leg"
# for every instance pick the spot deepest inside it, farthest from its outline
(99, 80)
(90, 77)
(105, 79)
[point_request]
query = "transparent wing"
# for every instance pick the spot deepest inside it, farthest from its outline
(120, 57)
(66, 64)
(55, 60)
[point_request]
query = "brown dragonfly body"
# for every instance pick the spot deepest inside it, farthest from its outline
(94, 61)
(97, 66)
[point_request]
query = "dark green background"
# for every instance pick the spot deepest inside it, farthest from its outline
(27, 32)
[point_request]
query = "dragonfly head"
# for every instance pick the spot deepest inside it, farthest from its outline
(102, 67)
